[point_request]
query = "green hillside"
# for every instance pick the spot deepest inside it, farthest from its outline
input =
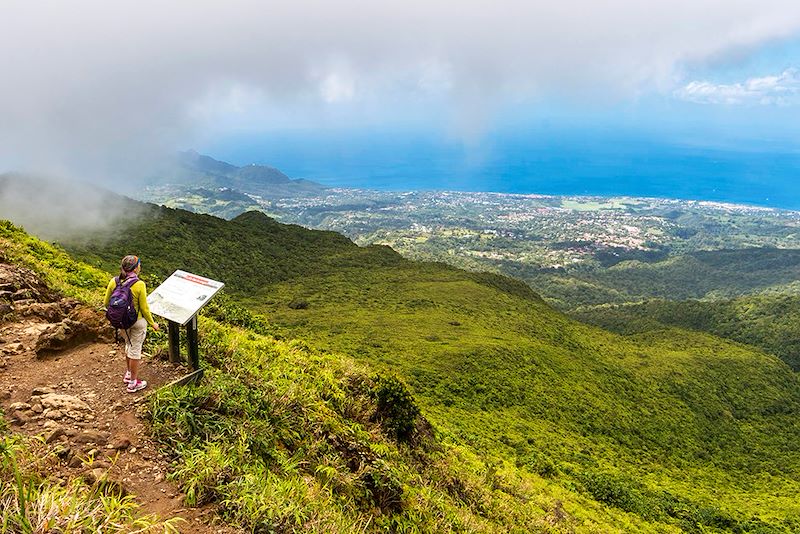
(714, 274)
(675, 426)
(770, 321)
(286, 438)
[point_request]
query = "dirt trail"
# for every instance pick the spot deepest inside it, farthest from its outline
(75, 398)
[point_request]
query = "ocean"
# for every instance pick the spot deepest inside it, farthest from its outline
(554, 165)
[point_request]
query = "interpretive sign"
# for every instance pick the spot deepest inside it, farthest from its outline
(181, 296)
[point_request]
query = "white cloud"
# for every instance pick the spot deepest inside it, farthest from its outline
(337, 87)
(781, 89)
(88, 81)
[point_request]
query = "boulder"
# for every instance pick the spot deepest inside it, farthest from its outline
(94, 321)
(49, 311)
(82, 325)
(59, 336)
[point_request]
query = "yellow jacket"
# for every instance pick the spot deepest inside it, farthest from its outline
(139, 292)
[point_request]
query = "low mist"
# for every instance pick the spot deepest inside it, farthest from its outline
(57, 210)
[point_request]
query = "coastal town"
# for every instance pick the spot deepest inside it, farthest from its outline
(485, 230)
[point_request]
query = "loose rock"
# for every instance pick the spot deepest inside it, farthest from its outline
(122, 444)
(91, 436)
(14, 348)
(62, 451)
(19, 419)
(53, 414)
(66, 402)
(95, 475)
(54, 435)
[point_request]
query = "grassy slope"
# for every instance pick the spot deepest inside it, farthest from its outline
(770, 321)
(642, 423)
(556, 395)
(287, 438)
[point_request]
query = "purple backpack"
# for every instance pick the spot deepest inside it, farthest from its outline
(121, 313)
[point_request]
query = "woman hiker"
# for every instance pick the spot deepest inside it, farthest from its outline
(134, 335)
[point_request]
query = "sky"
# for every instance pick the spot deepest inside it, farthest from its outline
(100, 90)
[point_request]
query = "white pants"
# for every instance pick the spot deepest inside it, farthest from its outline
(134, 339)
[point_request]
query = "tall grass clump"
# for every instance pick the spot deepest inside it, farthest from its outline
(31, 502)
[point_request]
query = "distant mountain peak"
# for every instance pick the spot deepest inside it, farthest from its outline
(193, 168)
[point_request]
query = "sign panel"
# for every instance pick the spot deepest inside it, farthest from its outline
(181, 296)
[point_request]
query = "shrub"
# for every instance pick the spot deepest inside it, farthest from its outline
(397, 411)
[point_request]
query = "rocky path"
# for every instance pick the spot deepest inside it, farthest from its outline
(61, 378)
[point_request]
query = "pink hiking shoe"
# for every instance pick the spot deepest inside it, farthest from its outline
(133, 387)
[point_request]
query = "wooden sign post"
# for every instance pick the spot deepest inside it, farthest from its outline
(174, 334)
(179, 300)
